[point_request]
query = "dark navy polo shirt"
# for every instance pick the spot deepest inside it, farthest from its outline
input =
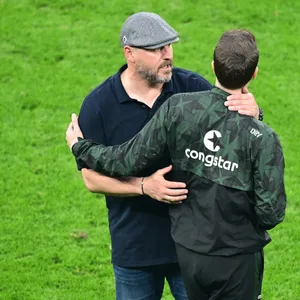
(139, 226)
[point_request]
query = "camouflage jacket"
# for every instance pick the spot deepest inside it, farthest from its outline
(233, 166)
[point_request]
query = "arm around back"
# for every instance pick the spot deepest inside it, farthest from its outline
(130, 157)
(98, 183)
(155, 186)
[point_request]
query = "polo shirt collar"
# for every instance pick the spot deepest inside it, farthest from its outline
(121, 93)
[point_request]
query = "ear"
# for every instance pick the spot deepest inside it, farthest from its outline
(213, 66)
(129, 54)
(255, 73)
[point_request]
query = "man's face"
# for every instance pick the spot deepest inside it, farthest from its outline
(154, 66)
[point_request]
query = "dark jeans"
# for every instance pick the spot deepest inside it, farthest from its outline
(147, 283)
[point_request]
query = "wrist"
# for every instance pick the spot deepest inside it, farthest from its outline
(260, 114)
(143, 185)
(73, 143)
(135, 183)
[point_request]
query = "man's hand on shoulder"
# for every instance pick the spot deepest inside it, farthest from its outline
(160, 189)
(73, 132)
(243, 103)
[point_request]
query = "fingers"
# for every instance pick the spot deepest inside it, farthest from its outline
(175, 196)
(156, 187)
(74, 117)
(171, 203)
(74, 121)
(246, 112)
(239, 99)
(165, 170)
(241, 107)
(70, 127)
(176, 192)
(243, 103)
(73, 131)
(174, 184)
(173, 199)
(69, 130)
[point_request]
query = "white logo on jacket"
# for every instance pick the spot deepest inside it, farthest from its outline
(212, 143)
(211, 140)
(255, 132)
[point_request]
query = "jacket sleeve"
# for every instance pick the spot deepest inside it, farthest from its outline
(91, 121)
(131, 157)
(270, 196)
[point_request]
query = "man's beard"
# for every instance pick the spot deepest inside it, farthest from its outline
(152, 77)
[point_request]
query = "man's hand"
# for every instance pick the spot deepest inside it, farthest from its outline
(73, 132)
(158, 188)
(243, 103)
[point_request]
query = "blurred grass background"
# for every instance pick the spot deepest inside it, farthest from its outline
(54, 241)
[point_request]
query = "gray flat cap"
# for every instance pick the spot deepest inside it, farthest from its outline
(147, 30)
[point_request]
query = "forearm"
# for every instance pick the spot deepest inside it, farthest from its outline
(270, 211)
(109, 161)
(98, 183)
(124, 160)
(130, 157)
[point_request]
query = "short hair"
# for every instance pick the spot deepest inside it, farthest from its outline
(235, 58)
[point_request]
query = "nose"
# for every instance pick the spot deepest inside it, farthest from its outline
(167, 52)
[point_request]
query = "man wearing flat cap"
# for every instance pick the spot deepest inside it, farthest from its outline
(143, 252)
(147, 31)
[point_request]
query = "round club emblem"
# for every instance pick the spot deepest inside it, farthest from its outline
(211, 140)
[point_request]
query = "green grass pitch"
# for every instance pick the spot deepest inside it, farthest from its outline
(54, 241)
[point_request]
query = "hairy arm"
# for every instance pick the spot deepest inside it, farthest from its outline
(154, 186)
(98, 183)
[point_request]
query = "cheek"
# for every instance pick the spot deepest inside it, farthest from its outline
(154, 59)
(150, 60)
(153, 62)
